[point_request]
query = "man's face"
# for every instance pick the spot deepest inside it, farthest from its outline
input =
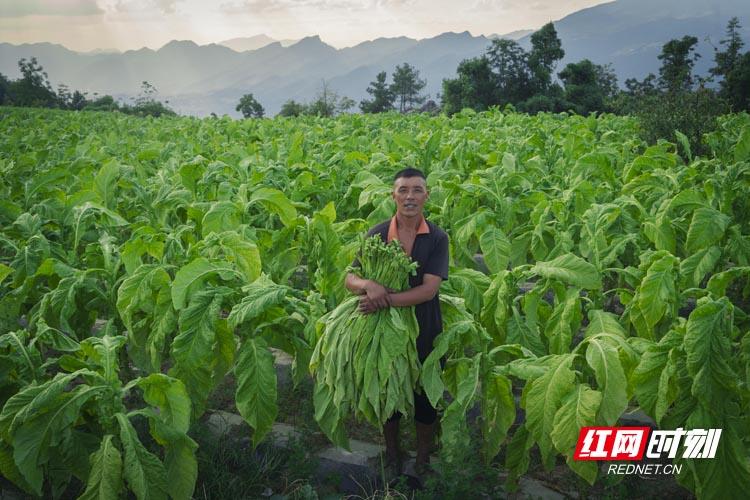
(410, 194)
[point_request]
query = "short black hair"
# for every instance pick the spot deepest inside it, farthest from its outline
(409, 172)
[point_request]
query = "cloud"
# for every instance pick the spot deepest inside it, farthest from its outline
(257, 6)
(15, 8)
(165, 6)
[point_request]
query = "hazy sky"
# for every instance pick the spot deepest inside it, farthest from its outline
(131, 24)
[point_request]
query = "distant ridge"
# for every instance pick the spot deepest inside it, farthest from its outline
(513, 35)
(253, 43)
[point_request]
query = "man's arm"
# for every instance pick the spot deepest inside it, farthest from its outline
(377, 294)
(419, 294)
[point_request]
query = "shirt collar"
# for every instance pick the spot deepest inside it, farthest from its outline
(393, 228)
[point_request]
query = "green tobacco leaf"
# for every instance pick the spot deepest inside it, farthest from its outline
(170, 396)
(30, 399)
(467, 385)
(430, 375)
(5, 271)
(657, 290)
(328, 415)
(498, 413)
(105, 183)
(517, 457)
(742, 148)
(719, 282)
(276, 202)
(145, 305)
(685, 143)
(708, 352)
(519, 332)
(8, 468)
(570, 269)
(259, 296)
(694, 268)
(579, 410)
(454, 433)
(192, 347)
(661, 233)
(651, 378)
(544, 396)
(105, 477)
(496, 249)
(222, 216)
(182, 467)
(706, 228)
(604, 359)
(224, 351)
(143, 471)
(42, 429)
(103, 352)
(190, 278)
(564, 322)
(199, 383)
(256, 386)
(243, 253)
(603, 322)
(469, 284)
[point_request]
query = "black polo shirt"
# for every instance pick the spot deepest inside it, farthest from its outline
(430, 252)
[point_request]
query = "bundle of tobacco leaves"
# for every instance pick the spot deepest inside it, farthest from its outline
(367, 363)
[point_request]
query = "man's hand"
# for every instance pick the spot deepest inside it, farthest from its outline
(374, 298)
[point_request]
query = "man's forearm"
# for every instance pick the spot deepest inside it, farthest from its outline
(413, 296)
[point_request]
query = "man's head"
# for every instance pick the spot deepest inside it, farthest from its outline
(410, 192)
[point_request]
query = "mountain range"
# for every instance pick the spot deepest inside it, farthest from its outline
(200, 79)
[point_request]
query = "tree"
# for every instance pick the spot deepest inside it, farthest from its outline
(292, 108)
(78, 100)
(103, 103)
(678, 59)
(324, 103)
(4, 86)
(587, 86)
(475, 87)
(738, 84)
(727, 59)
(249, 107)
(546, 50)
(606, 78)
(33, 88)
(345, 104)
(146, 104)
(511, 67)
(406, 87)
(382, 97)
(734, 68)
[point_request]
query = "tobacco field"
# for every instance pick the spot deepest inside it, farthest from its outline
(613, 275)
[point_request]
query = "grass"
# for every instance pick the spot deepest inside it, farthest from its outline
(231, 468)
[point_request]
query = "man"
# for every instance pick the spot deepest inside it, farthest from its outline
(427, 245)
